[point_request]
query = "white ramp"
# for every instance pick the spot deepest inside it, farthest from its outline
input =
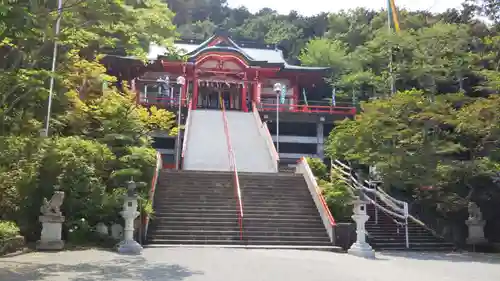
(206, 148)
(250, 148)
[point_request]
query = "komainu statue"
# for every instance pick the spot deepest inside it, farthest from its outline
(52, 207)
(474, 212)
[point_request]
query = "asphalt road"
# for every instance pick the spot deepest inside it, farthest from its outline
(213, 264)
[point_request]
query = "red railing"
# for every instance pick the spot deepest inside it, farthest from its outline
(343, 110)
(234, 168)
(154, 182)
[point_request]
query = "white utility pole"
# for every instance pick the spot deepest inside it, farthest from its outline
(45, 132)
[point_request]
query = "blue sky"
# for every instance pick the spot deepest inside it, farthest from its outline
(311, 7)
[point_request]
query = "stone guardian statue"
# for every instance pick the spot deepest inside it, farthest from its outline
(52, 220)
(475, 224)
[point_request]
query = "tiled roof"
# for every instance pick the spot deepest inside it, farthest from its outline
(265, 54)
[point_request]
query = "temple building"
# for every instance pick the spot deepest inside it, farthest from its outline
(241, 76)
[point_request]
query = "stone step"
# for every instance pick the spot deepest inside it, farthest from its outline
(232, 202)
(416, 231)
(194, 223)
(246, 211)
(403, 239)
(250, 216)
(232, 222)
(426, 245)
(195, 184)
(211, 227)
(305, 195)
(227, 196)
(238, 242)
(210, 205)
(232, 232)
(156, 241)
(230, 181)
(232, 207)
(394, 228)
(236, 236)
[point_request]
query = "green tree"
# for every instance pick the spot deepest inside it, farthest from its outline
(89, 29)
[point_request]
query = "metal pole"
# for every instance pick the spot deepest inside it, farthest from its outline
(54, 59)
(177, 151)
(391, 76)
(405, 206)
(277, 122)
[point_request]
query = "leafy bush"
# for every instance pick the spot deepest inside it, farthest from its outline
(91, 176)
(8, 229)
(337, 194)
(80, 232)
(318, 168)
(338, 197)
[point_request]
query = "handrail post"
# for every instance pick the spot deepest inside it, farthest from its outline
(154, 182)
(405, 208)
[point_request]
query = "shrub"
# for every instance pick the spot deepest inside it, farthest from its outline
(318, 168)
(8, 230)
(338, 197)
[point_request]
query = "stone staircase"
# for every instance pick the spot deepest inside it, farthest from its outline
(194, 208)
(279, 210)
(200, 208)
(388, 231)
(386, 234)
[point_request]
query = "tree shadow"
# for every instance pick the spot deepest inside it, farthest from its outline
(116, 269)
(451, 257)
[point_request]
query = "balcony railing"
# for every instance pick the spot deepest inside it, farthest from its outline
(162, 102)
(342, 109)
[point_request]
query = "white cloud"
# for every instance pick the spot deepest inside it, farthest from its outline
(312, 7)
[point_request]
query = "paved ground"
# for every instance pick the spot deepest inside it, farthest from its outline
(181, 264)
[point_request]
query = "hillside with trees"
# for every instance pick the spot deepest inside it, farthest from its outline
(435, 141)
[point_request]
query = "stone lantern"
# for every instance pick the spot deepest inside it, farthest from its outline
(129, 214)
(360, 248)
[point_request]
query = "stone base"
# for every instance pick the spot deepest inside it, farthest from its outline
(129, 247)
(476, 232)
(363, 250)
(476, 241)
(54, 245)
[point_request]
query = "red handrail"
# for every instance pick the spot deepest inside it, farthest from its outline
(154, 182)
(234, 168)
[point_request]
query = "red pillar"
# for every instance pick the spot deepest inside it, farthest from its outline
(184, 87)
(244, 106)
(295, 93)
(184, 93)
(195, 93)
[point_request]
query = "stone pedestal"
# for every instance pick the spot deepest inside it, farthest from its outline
(117, 231)
(51, 233)
(476, 232)
(102, 229)
(361, 248)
